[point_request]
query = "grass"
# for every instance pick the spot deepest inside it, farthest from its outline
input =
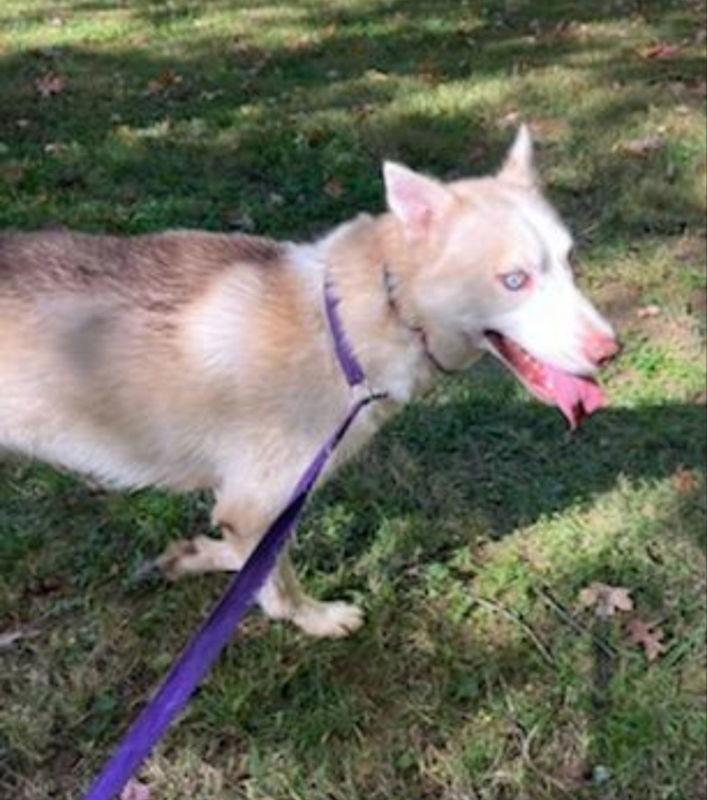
(474, 521)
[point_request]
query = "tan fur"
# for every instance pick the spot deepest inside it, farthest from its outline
(196, 360)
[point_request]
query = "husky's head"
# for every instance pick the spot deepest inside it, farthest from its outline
(491, 265)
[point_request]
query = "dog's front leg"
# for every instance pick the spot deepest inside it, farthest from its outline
(282, 597)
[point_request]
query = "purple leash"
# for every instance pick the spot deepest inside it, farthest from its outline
(216, 631)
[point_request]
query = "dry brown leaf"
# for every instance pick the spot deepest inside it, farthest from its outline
(548, 128)
(660, 50)
(641, 147)
(647, 635)
(50, 83)
(333, 187)
(429, 71)
(165, 80)
(606, 599)
(684, 480)
(12, 172)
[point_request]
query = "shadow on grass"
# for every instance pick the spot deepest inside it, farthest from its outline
(415, 668)
(507, 464)
(234, 122)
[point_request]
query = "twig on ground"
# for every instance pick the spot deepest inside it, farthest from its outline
(571, 621)
(542, 648)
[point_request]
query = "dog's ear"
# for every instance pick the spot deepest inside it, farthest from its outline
(519, 164)
(416, 200)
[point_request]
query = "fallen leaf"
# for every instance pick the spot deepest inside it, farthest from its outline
(334, 187)
(606, 599)
(643, 146)
(165, 80)
(12, 173)
(50, 83)
(647, 635)
(548, 128)
(429, 71)
(684, 480)
(134, 790)
(660, 50)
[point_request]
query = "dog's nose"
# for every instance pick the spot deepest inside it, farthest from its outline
(600, 348)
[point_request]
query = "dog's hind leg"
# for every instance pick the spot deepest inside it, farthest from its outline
(200, 554)
(282, 597)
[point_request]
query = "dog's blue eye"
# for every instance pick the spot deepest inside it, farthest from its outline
(516, 280)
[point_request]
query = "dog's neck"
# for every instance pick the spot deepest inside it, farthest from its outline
(367, 264)
(391, 285)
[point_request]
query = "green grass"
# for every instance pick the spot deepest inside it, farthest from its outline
(475, 519)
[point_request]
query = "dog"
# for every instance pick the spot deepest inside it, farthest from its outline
(194, 360)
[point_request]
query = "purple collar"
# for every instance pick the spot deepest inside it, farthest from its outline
(348, 362)
(353, 372)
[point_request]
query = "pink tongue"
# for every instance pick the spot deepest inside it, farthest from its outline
(577, 397)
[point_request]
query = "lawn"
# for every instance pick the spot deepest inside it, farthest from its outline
(470, 528)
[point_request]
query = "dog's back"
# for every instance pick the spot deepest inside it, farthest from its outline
(152, 271)
(94, 367)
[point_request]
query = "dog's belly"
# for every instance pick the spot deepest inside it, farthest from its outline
(111, 462)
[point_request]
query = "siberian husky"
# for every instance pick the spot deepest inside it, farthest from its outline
(192, 360)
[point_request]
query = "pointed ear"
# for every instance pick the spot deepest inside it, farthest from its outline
(416, 200)
(519, 164)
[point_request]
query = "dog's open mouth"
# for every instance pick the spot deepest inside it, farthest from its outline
(576, 396)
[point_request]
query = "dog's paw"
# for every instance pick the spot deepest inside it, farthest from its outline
(175, 560)
(328, 619)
